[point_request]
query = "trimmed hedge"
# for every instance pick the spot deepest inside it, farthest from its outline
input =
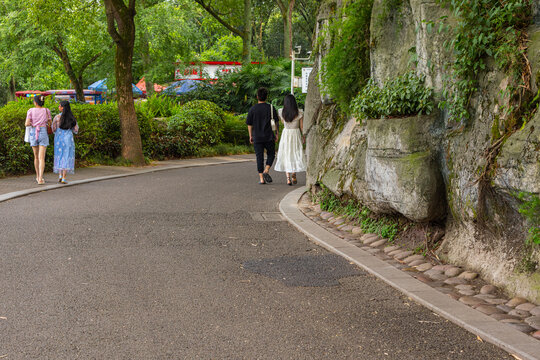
(194, 125)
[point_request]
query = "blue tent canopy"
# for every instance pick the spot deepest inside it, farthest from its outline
(101, 85)
(182, 87)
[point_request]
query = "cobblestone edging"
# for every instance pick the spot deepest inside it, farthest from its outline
(458, 283)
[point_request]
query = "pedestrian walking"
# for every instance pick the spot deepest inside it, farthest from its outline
(262, 134)
(64, 126)
(291, 157)
(39, 118)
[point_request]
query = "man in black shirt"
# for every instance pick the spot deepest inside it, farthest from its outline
(261, 134)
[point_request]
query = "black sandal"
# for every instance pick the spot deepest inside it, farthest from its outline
(267, 178)
(289, 181)
(294, 181)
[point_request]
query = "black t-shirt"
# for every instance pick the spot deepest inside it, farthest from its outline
(259, 118)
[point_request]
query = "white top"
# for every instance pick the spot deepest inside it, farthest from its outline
(295, 124)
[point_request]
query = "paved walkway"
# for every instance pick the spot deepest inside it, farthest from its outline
(15, 186)
(361, 305)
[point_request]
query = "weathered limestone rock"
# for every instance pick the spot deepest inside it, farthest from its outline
(484, 231)
(400, 170)
(392, 37)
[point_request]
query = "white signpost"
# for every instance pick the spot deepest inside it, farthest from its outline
(305, 78)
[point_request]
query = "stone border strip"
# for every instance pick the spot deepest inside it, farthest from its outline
(487, 328)
(16, 194)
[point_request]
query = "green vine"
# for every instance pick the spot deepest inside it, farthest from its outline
(486, 29)
(530, 209)
(345, 67)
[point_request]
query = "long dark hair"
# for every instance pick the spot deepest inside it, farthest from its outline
(67, 120)
(39, 100)
(290, 108)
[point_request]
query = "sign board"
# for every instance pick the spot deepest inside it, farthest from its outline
(305, 78)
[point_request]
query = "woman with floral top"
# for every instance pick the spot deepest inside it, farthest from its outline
(64, 126)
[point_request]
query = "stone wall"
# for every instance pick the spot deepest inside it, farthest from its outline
(427, 168)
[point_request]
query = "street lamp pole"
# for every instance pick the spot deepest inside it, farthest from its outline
(293, 57)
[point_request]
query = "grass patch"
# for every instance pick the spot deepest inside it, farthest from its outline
(386, 226)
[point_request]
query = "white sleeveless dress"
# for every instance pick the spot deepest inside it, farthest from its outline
(291, 156)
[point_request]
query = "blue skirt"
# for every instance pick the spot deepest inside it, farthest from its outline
(64, 151)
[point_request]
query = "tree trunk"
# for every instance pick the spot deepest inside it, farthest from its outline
(73, 78)
(286, 9)
(247, 35)
(131, 138)
(121, 27)
(12, 88)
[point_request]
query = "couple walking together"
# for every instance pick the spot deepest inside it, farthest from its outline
(263, 135)
(63, 126)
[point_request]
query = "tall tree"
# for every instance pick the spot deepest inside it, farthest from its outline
(286, 8)
(64, 26)
(241, 26)
(24, 58)
(121, 27)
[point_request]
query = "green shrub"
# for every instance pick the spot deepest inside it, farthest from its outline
(157, 106)
(403, 96)
(203, 127)
(15, 155)
(100, 134)
(235, 130)
(205, 105)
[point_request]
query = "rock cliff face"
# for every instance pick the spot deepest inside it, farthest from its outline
(426, 167)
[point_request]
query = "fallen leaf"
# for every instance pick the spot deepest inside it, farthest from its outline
(479, 339)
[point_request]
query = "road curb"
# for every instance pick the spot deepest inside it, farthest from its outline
(487, 328)
(20, 193)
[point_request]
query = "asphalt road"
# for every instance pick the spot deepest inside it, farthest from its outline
(189, 264)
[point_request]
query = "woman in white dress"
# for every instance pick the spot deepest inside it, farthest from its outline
(291, 158)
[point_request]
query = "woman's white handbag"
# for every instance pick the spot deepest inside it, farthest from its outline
(272, 121)
(27, 134)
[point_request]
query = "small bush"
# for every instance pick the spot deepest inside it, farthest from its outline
(205, 105)
(403, 96)
(15, 155)
(202, 127)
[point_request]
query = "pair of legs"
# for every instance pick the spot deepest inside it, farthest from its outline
(62, 176)
(291, 178)
(39, 162)
(263, 169)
